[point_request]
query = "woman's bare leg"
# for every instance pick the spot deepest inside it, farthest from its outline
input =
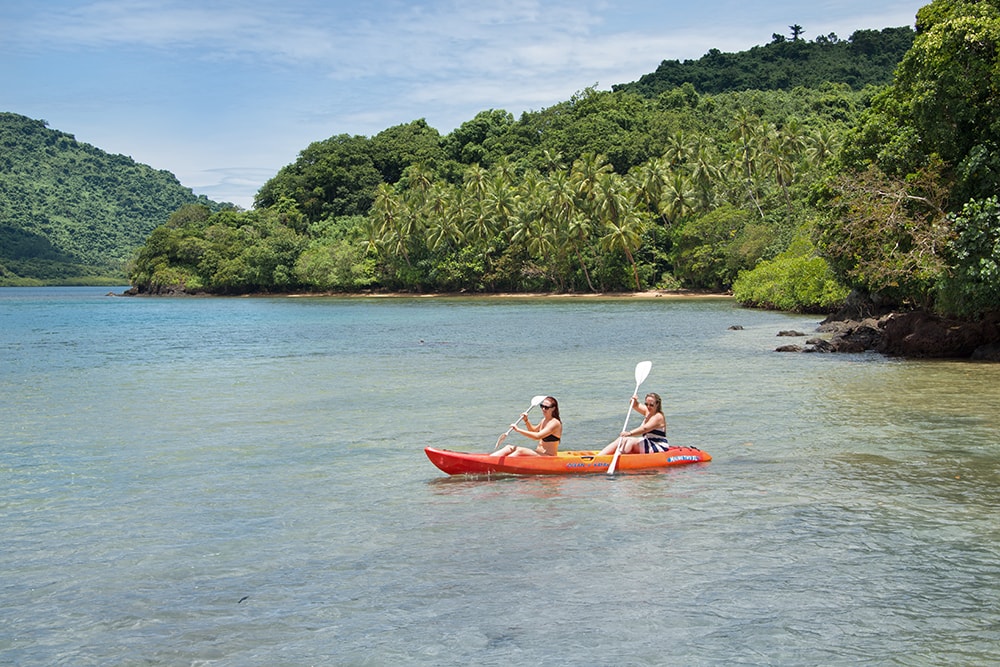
(628, 447)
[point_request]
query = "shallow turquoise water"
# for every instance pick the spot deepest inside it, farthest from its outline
(242, 482)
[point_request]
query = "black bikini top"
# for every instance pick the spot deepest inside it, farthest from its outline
(551, 438)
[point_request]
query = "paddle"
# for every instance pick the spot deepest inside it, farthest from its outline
(641, 371)
(535, 401)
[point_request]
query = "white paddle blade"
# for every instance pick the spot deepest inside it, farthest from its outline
(503, 436)
(614, 459)
(642, 371)
(534, 401)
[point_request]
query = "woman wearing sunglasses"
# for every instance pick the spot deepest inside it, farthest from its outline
(650, 436)
(548, 432)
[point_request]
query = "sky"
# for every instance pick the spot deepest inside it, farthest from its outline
(224, 93)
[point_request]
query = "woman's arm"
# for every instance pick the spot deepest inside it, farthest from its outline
(534, 435)
(648, 424)
(527, 422)
(540, 431)
(639, 406)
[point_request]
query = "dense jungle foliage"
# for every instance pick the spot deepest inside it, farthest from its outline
(608, 191)
(73, 214)
(868, 57)
(791, 197)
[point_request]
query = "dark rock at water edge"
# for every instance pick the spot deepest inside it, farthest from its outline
(988, 352)
(913, 334)
(158, 290)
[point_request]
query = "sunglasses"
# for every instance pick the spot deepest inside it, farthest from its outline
(547, 407)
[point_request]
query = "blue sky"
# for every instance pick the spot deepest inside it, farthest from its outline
(223, 93)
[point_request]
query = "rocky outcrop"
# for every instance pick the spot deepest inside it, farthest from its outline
(920, 334)
(913, 334)
(852, 335)
(157, 290)
(988, 352)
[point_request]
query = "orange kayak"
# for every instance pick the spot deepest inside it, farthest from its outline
(564, 463)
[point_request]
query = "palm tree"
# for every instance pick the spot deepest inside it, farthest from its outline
(679, 149)
(418, 180)
(569, 227)
(625, 235)
(505, 170)
(475, 180)
(748, 130)
(578, 231)
(822, 145)
(732, 173)
(648, 179)
(777, 156)
(678, 197)
(477, 223)
(501, 201)
(527, 203)
(552, 161)
(384, 213)
(445, 210)
(586, 171)
(623, 223)
(793, 137)
(396, 222)
(704, 175)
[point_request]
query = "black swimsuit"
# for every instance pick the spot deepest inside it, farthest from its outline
(551, 438)
(654, 441)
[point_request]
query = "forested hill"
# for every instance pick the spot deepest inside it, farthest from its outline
(867, 57)
(72, 213)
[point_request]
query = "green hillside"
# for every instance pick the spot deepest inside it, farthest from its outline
(71, 213)
(869, 57)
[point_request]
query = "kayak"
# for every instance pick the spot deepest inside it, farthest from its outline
(564, 463)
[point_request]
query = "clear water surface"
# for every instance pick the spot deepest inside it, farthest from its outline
(242, 482)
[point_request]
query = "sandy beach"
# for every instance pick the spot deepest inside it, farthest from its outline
(648, 294)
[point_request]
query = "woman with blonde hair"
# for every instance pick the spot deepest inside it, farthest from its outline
(650, 436)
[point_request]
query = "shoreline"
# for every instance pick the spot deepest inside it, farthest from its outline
(647, 294)
(680, 294)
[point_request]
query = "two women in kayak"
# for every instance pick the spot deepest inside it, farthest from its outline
(650, 436)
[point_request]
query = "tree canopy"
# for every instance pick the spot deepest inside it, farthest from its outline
(929, 143)
(625, 189)
(867, 57)
(791, 173)
(607, 191)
